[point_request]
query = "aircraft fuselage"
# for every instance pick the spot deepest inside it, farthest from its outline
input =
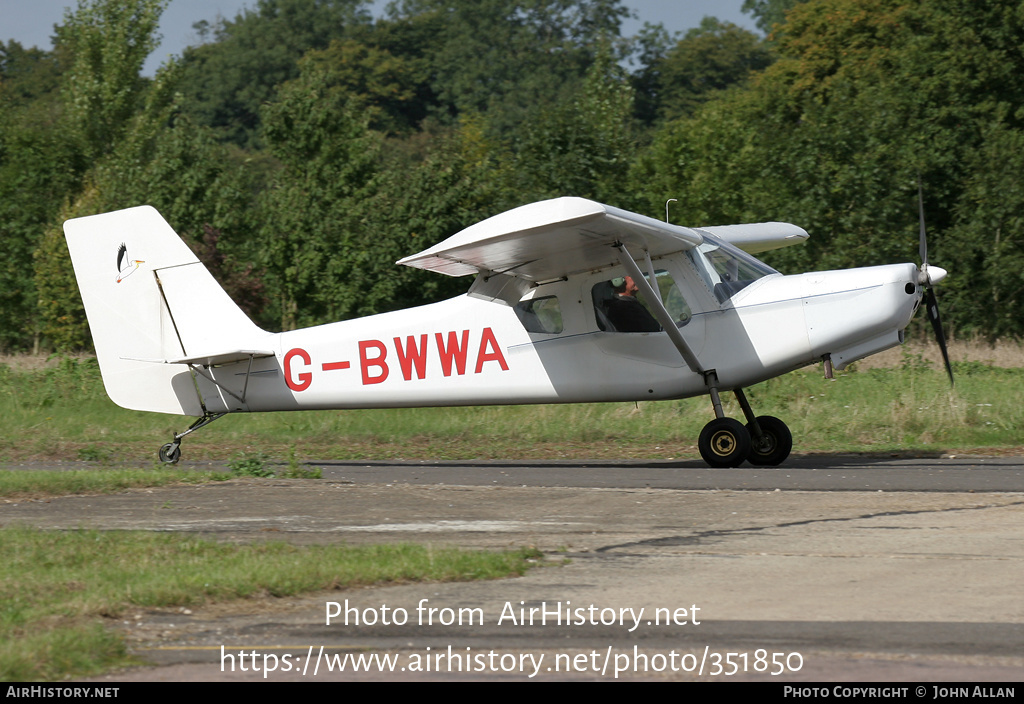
(466, 351)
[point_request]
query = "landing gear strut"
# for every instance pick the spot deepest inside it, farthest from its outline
(171, 452)
(725, 442)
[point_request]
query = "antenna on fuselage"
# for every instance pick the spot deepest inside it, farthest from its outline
(670, 200)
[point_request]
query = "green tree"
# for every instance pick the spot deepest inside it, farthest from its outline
(226, 81)
(26, 74)
(462, 180)
(865, 96)
(156, 157)
(198, 186)
(504, 59)
(769, 13)
(329, 158)
(40, 163)
(378, 82)
(108, 41)
(585, 147)
(61, 318)
(987, 281)
(709, 58)
(342, 210)
(39, 168)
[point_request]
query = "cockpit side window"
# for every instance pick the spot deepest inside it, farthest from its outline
(619, 307)
(540, 315)
(726, 270)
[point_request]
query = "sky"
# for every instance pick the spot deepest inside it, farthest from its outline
(31, 22)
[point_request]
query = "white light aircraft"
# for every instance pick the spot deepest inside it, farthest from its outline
(551, 317)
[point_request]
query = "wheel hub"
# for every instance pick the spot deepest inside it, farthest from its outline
(723, 443)
(766, 444)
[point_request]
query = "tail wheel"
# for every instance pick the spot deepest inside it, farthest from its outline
(170, 453)
(775, 443)
(724, 442)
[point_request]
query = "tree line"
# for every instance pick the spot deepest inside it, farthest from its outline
(303, 146)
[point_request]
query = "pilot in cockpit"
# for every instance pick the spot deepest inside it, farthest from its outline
(625, 312)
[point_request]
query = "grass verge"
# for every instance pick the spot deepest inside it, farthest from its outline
(57, 588)
(62, 413)
(23, 485)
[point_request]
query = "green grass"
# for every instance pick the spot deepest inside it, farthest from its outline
(18, 485)
(907, 409)
(63, 413)
(57, 589)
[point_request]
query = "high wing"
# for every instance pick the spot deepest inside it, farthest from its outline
(550, 240)
(556, 238)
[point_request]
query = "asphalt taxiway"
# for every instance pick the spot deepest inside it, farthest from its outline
(854, 568)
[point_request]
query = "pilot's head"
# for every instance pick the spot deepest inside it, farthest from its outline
(624, 286)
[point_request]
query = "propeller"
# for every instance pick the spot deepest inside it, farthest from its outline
(929, 277)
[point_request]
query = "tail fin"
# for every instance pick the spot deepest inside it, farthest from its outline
(150, 301)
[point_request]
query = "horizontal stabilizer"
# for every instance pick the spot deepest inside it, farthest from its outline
(209, 360)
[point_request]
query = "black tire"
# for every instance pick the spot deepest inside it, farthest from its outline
(775, 445)
(724, 442)
(170, 453)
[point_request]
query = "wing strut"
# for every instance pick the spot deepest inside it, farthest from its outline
(659, 310)
(651, 272)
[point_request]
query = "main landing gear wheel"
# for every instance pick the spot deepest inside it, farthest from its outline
(170, 453)
(775, 443)
(724, 442)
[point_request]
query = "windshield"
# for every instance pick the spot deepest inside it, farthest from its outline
(725, 269)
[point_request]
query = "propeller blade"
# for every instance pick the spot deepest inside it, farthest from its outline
(932, 306)
(925, 278)
(922, 241)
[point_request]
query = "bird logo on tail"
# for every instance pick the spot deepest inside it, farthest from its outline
(125, 266)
